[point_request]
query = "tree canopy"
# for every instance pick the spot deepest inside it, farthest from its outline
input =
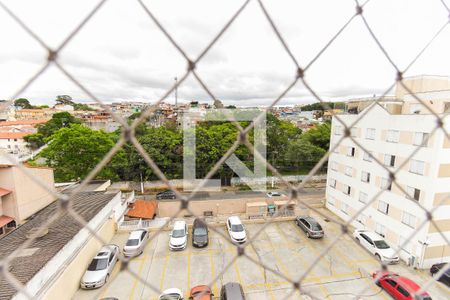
(23, 103)
(44, 131)
(323, 106)
(73, 149)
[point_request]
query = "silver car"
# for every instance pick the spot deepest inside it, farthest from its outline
(101, 267)
(310, 226)
(135, 243)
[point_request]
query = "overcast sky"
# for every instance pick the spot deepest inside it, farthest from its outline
(121, 55)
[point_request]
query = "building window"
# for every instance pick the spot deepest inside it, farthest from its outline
(334, 166)
(15, 140)
(361, 218)
(365, 176)
(331, 201)
(351, 151)
(367, 156)
(421, 139)
(354, 132)
(393, 136)
(333, 183)
(408, 219)
(338, 130)
(402, 244)
(389, 160)
(363, 197)
(417, 167)
(412, 193)
(383, 207)
(386, 184)
(380, 229)
(344, 208)
(348, 171)
(347, 189)
(370, 133)
(415, 108)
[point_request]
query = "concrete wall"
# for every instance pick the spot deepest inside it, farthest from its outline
(60, 277)
(30, 196)
(218, 207)
(68, 283)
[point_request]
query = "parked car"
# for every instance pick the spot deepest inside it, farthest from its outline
(101, 267)
(178, 236)
(310, 226)
(233, 291)
(201, 292)
(167, 194)
(399, 287)
(445, 277)
(135, 243)
(274, 194)
(376, 245)
(171, 294)
(236, 230)
(199, 233)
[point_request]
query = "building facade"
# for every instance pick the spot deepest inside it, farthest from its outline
(356, 176)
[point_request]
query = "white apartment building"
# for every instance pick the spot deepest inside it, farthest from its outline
(390, 133)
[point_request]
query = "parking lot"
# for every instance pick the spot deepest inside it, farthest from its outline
(341, 274)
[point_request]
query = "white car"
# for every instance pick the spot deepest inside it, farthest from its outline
(376, 245)
(135, 243)
(171, 294)
(178, 236)
(100, 268)
(236, 229)
(274, 194)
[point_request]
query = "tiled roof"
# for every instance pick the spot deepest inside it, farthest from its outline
(4, 192)
(5, 220)
(143, 209)
(22, 122)
(13, 135)
(60, 232)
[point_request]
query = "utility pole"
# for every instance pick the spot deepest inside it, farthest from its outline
(176, 92)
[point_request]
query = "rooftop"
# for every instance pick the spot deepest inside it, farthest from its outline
(13, 135)
(43, 249)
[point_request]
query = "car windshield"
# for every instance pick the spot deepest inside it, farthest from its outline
(381, 244)
(237, 228)
(98, 264)
(276, 194)
(132, 242)
(178, 233)
(169, 297)
(316, 227)
(200, 231)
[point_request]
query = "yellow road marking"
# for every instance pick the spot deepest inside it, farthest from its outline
(322, 288)
(163, 274)
(139, 275)
(188, 272)
(215, 291)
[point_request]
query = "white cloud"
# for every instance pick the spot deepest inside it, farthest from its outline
(122, 55)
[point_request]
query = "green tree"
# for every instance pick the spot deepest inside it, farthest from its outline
(279, 134)
(64, 99)
(58, 121)
(319, 136)
(81, 106)
(75, 150)
(302, 155)
(23, 103)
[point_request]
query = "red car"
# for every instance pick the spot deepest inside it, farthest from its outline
(201, 292)
(399, 287)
